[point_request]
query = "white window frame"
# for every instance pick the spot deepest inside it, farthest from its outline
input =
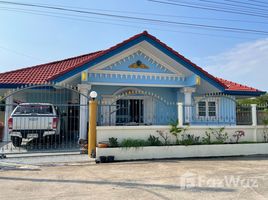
(213, 99)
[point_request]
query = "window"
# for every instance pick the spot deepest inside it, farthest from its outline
(202, 108)
(33, 109)
(212, 109)
(207, 109)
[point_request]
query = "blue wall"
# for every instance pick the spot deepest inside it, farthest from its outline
(165, 106)
(226, 113)
(164, 100)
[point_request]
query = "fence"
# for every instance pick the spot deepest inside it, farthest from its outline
(262, 114)
(212, 111)
(241, 115)
(41, 119)
(136, 112)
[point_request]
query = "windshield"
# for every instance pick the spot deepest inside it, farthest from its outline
(33, 109)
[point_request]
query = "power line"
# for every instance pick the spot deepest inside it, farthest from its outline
(235, 5)
(78, 18)
(204, 26)
(174, 16)
(217, 9)
(252, 4)
(19, 53)
(222, 5)
(159, 14)
(260, 2)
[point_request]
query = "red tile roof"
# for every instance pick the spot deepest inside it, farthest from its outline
(232, 86)
(45, 72)
(48, 72)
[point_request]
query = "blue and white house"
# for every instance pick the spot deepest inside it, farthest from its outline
(141, 82)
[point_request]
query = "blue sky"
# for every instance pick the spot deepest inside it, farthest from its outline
(27, 39)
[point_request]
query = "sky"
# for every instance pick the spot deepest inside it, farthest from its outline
(30, 36)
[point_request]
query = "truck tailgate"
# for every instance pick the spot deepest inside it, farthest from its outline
(32, 122)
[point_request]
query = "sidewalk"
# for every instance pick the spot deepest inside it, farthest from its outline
(46, 159)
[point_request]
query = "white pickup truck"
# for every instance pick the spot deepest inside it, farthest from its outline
(29, 121)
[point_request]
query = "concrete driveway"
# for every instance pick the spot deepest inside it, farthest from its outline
(222, 178)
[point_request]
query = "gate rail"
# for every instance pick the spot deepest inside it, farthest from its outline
(47, 119)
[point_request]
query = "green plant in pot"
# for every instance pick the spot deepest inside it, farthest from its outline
(113, 142)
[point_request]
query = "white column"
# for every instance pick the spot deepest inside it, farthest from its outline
(254, 114)
(8, 111)
(254, 120)
(83, 122)
(188, 102)
(180, 114)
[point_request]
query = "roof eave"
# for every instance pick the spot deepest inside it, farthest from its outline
(244, 93)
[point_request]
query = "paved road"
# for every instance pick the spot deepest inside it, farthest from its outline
(228, 178)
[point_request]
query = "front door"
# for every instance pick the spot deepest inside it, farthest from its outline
(129, 112)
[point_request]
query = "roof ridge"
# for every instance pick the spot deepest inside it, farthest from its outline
(184, 58)
(103, 52)
(74, 57)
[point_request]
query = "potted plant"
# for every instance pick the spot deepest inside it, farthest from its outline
(103, 144)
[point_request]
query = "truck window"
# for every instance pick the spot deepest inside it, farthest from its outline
(33, 109)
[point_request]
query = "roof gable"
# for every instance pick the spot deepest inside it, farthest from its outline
(60, 70)
(138, 62)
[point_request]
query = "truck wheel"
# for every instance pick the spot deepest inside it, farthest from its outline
(16, 141)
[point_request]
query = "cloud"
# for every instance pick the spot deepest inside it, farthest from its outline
(246, 63)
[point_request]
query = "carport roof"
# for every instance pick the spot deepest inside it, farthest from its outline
(49, 72)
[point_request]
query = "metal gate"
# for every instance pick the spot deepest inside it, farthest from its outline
(136, 108)
(41, 118)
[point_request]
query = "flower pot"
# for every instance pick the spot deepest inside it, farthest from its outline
(103, 159)
(102, 145)
(110, 158)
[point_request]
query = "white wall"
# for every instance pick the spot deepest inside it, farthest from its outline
(143, 132)
(183, 151)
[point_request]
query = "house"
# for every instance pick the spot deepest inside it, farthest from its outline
(140, 81)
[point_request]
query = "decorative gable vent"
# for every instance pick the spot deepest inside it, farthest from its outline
(138, 64)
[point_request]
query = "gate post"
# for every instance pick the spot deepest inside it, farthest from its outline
(254, 114)
(254, 120)
(180, 114)
(8, 111)
(92, 125)
(83, 89)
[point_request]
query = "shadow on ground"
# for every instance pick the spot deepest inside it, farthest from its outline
(121, 184)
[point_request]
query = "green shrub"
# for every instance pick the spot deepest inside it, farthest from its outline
(154, 141)
(177, 131)
(207, 138)
(133, 143)
(219, 134)
(164, 135)
(188, 139)
(113, 142)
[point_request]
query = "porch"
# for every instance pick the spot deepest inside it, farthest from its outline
(158, 106)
